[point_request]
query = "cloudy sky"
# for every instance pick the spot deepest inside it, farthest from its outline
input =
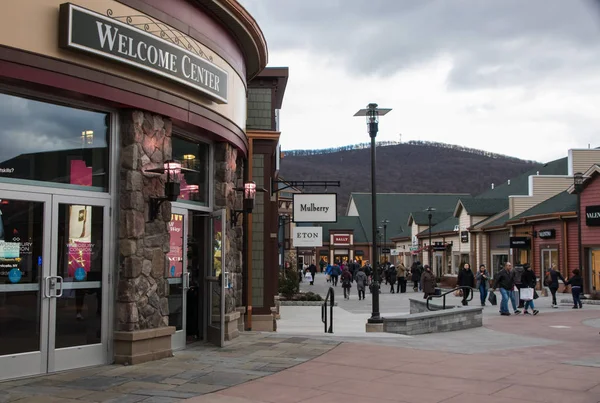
(510, 76)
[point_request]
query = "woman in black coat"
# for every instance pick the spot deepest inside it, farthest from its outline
(415, 275)
(466, 278)
(529, 280)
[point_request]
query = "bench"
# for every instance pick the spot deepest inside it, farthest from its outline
(447, 320)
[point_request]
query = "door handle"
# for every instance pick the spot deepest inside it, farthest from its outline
(186, 281)
(59, 281)
(48, 286)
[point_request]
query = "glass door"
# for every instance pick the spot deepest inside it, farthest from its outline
(217, 281)
(179, 276)
(595, 270)
(24, 263)
(549, 256)
(75, 287)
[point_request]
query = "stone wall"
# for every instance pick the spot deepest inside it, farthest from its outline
(142, 285)
(435, 322)
(229, 175)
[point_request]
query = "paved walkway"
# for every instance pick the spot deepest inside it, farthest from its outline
(198, 370)
(552, 357)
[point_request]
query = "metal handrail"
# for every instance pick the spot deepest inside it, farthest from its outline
(331, 296)
(429, 298)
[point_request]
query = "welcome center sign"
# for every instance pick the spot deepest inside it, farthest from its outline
(315, 207)
(94, 33)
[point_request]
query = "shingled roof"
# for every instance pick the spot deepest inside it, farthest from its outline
(563, 202)
(481, 207)
(448, 225)
(397, 207)
(422, 217)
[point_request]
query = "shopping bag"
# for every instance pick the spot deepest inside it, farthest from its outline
(308, 276)
(535, 294)
(458, 293)
(492, 298)
(526, 294)
(327, 277)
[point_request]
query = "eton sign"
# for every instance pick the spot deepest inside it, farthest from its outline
(308, 237)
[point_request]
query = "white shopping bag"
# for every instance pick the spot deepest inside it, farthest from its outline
(526, 294)
(308, 276)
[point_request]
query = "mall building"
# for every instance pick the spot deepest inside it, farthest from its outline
(126, 179)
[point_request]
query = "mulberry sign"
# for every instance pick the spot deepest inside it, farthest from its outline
(592, 216)
(315, 207)
(90, 32)
(308, 236)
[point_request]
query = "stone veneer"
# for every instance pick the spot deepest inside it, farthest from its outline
(142, 291)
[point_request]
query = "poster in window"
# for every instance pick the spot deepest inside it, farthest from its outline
(175, 254)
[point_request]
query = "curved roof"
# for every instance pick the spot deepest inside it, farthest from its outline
(244, 29)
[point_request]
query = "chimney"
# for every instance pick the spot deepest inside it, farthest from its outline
(492, 185)
(509, 182)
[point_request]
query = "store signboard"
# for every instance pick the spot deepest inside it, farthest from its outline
(395, 252)
(592, 216)
(103, 36)
(315, 207)
(307, 237)
(547, 234)
(464, 236)
(520, 242)
(341, 239)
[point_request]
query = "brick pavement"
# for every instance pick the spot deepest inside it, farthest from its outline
(564, 366)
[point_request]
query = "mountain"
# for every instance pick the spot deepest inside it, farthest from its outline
(414, 167)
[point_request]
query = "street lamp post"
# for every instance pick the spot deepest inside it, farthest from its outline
(372, 114)
(578, 186)
(430, 211)
(385, 223)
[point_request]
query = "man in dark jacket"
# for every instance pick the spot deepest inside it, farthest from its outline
(466, 279)
(519, 270)
(505, 281)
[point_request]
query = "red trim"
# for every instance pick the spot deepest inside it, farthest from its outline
(120, 98)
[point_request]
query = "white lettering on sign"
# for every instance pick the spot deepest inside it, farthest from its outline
(308, 236)
(593, 215)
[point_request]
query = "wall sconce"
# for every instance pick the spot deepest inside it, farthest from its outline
(173, 170)
(249, 190)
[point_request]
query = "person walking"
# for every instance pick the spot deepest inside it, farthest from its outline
(427, 282)
(483, 283)
(551, 281)
(361, 283)
(576, 283)
(322, 264)
(416, 276)
(346, 282)
(336, 271)
(313, 270)
(466, 279)
(401, 278)
(505, 281)
(519, 270)
(392, 274)
(528, 281)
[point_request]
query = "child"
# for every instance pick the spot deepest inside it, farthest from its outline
(576, 283)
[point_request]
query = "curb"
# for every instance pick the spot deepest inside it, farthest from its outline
(303, 303)
(583, 301)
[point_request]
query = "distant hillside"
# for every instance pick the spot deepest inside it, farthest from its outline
(412, 167)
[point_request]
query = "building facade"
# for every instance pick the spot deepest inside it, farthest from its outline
(110, 110)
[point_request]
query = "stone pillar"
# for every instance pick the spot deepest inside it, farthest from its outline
(228, 175)
(142, 308)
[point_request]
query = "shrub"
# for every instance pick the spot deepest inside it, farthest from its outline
(289, 284)
(311, 296)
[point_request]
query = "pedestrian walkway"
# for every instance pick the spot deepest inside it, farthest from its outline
(198, 370)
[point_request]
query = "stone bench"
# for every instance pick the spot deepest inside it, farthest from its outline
(418, 306)
(446, 320)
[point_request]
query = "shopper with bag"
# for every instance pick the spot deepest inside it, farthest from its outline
(505, 281)
(361, 283)
(346, 282)
(483, 283)
(527, 290)
(551, 281)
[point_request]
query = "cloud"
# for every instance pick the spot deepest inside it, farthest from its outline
(30, 126)
(492, 43)
(519, 77)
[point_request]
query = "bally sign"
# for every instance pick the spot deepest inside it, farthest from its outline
(341, 239)
(315, 207)
(592, 216)
(308, 236)
(90, 32)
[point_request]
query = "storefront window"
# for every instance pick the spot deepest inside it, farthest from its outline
(498, 262)
(194, 156)
(40, 141)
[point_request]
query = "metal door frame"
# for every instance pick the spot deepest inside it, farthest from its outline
(35, 362)
(93, 354)
(178, 339)
(212, 280)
